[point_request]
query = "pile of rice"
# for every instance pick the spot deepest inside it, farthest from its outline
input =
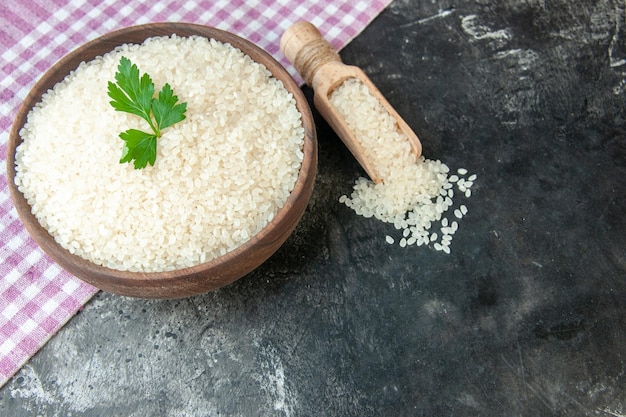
(416, 192)
(220, 175)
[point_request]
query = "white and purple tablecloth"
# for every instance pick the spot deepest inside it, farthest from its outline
(36, 296)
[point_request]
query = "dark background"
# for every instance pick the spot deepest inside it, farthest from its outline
(526, 317)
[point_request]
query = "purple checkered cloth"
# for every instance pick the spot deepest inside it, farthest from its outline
(37, 297)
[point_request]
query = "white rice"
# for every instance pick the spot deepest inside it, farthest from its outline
(220, 175)
(416, 192)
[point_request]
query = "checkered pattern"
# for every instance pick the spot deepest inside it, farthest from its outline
(36, 297)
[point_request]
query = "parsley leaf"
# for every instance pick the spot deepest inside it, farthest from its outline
(138, 146)
(166, 111)
(131, 94)
(134, 94)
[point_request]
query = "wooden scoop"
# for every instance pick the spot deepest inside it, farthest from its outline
(321, 68)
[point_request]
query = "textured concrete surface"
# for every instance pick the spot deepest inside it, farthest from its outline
(526, 317)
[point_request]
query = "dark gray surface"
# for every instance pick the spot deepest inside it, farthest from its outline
(526, 317)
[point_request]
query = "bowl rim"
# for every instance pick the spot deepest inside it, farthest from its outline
(94, 273)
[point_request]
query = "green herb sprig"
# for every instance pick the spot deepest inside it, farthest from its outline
(132, 94)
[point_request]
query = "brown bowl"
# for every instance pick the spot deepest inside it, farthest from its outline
(200, 278)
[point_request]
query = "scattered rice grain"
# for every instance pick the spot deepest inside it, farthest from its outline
(416, 192)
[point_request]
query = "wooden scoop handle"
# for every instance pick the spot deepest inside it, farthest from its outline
(304, 46)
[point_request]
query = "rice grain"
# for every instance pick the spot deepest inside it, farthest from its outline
(415, 192)
(220, 175)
